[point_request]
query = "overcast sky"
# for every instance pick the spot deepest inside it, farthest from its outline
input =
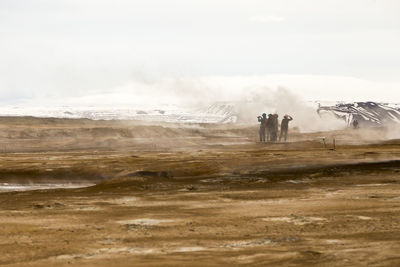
(58, 51)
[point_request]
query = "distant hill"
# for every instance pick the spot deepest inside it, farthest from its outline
(366, 113)
(225, 110)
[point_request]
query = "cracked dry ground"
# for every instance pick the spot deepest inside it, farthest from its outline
(239, 205)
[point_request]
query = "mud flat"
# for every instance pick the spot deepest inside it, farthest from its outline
(196, 196)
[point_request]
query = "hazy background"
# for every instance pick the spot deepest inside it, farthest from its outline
(96, 52)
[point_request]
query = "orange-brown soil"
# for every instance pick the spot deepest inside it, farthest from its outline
(197, 195)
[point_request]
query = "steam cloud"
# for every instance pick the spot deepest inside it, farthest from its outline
(282, 101)
(250, 97)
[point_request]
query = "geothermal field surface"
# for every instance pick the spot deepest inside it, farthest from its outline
(127, 193)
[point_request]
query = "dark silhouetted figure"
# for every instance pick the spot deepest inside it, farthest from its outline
(263, 124)
(274, 128)
(269, 126)
(355, 124)
(285, 127)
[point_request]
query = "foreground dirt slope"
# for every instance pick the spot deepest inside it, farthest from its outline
(295, 204)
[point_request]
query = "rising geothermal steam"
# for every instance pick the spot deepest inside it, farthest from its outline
(281, 102)
(393, 131)
(250, 98)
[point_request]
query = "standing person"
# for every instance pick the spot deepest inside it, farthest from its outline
(355, 124)
(269, 126)
(263, 124)
(285, 127)
(274, 126)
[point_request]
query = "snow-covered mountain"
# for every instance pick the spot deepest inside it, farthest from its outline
(366, 113)
(226, 110)
(212, 114)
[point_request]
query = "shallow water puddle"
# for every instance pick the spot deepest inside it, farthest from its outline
(145, 222)
(367, 185)
(88, 208)
(297, 220)
(364, 218)
(6, 187)
(189, 249)
(296, 181)
(107, 252)
(246, 244)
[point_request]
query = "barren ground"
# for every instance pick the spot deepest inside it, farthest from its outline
(196, 196)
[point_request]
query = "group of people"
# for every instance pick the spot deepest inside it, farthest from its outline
(269, 127)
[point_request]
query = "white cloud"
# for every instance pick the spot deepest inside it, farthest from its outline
(266, 19)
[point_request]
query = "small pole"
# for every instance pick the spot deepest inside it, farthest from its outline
(334, 144)
(323, 139)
